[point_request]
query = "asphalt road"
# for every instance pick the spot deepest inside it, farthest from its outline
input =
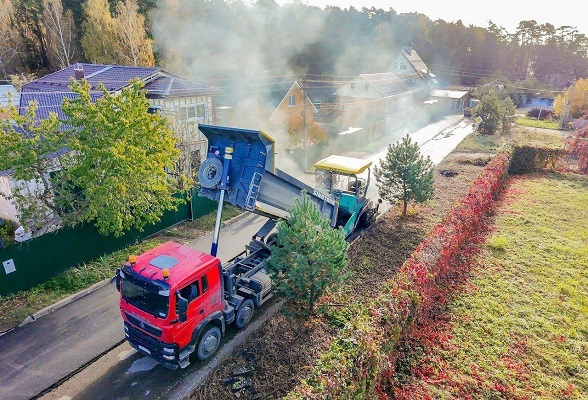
(35, 356)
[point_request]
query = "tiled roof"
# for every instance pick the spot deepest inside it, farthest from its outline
(416, 61)
(50, 90)
(166, 85)
(48, 102)
(321, 91)
(386, 83)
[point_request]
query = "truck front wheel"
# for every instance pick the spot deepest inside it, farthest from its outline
(209, 342)
(244, 314)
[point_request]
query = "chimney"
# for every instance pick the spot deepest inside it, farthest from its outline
(79, 71)
(408, 49)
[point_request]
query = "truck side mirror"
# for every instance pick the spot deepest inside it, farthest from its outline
(181, 307)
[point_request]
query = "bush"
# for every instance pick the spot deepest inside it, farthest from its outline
(541, 113)
(7, 228)
(528, 158)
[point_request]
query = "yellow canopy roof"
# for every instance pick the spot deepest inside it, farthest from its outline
(343, 165)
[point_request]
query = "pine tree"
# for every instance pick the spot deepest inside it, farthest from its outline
(507, 116)
(489, 109)
(405, 174)
(309, 257)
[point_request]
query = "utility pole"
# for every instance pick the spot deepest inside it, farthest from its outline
(304, 137)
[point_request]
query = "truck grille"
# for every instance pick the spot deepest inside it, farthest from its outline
(143, 325)
(139, 338)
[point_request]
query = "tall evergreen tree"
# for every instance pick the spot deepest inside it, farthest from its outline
(405, 174)
(309, 257)
(489, 109)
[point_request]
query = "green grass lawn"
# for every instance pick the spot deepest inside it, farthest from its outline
(521, 329)
(534, 123)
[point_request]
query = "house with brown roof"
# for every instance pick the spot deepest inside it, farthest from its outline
(319, 97)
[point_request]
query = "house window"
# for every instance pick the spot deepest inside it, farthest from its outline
(192, 112)
(395, 66)
(317, 104)
(352, 85)
(344, 105)
(292, 101)
(403, 66)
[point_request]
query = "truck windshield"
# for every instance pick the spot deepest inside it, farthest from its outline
(144, 299)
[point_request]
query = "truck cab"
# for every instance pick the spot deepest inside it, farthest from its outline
(171, 301)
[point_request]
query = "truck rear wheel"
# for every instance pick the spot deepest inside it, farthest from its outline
(244, 314)
(208, 343)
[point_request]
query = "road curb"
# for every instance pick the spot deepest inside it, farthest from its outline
(64, 302)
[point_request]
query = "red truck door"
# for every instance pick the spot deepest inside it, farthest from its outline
(198, 294)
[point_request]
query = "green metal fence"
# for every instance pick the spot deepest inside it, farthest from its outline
(38, 260)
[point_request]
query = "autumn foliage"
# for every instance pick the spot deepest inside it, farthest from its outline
(577, 149)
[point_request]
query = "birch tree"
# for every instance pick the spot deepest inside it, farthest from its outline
(136, 48)
(59, 28)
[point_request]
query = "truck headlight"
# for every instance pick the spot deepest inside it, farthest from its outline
(169, 350)
(169, 358)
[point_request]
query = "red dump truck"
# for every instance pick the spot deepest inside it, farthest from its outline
(176, 301)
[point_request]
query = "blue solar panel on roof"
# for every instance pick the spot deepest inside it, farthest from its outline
(164, 262)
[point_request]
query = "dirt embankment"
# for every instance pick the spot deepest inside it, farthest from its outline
(285, 349)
